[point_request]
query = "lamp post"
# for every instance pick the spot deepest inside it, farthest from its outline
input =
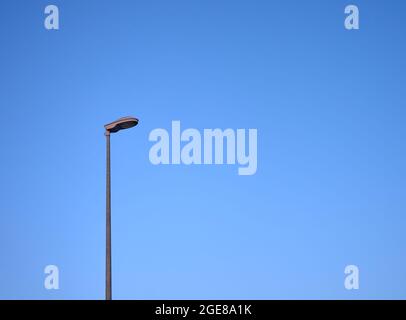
(120, 124)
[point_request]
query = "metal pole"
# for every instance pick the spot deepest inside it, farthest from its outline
(108, 219)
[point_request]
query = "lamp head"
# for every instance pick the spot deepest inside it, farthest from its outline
(121, 124)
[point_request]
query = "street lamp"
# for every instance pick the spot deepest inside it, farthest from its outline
(120, 124)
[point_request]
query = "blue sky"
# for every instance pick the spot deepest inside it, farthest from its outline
(329, 106)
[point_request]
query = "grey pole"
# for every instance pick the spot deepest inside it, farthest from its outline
(108, 219)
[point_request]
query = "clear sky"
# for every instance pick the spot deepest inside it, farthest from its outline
(330, 108)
